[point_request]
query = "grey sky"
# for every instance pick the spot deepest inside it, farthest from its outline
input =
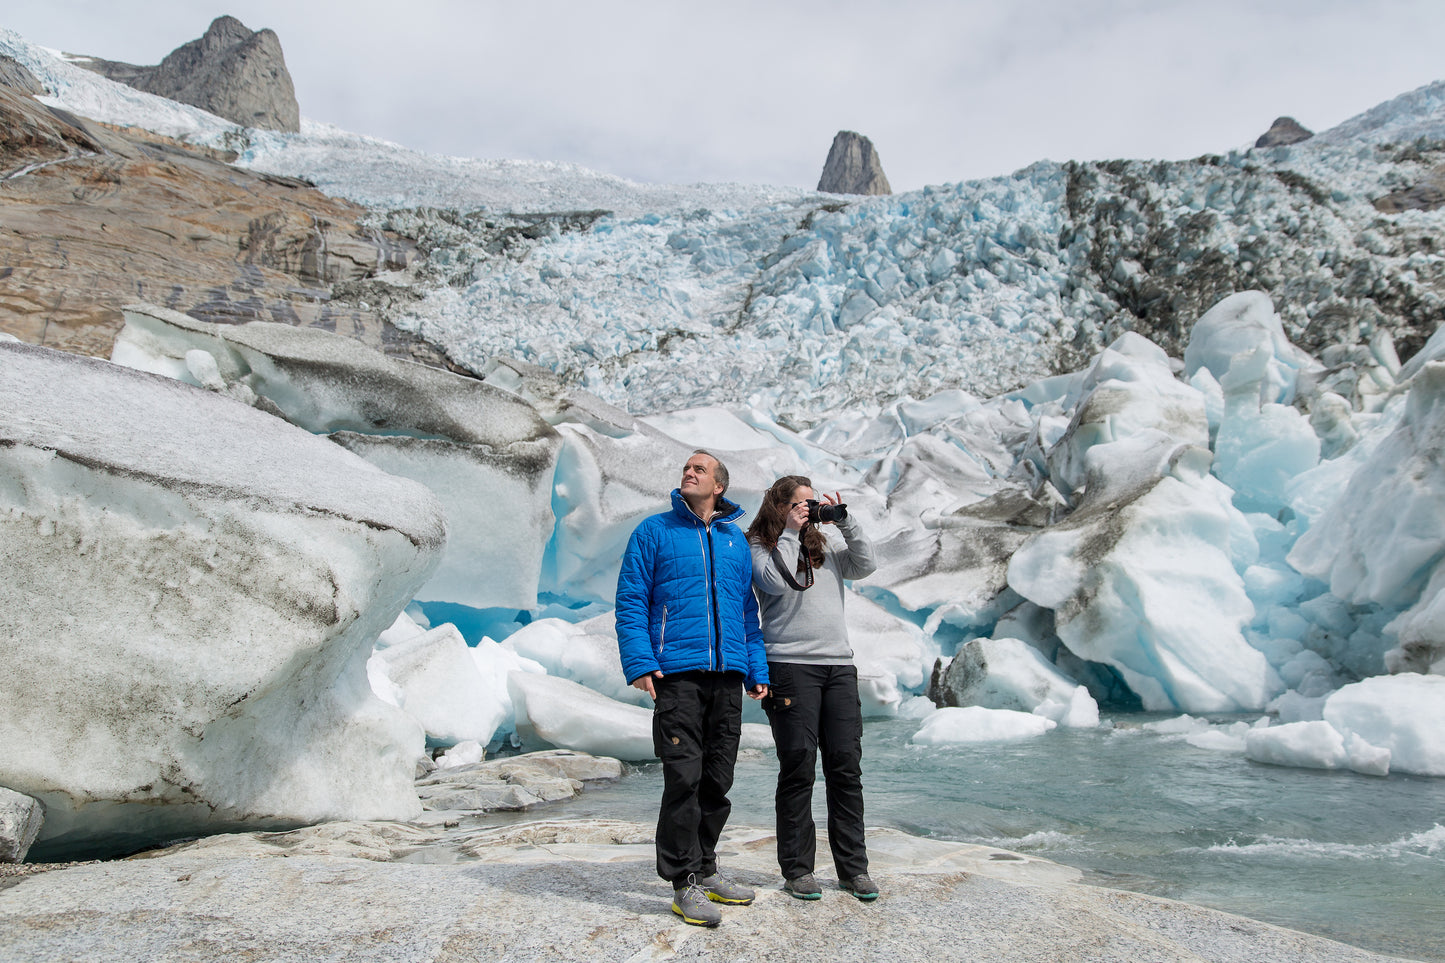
(662, 91)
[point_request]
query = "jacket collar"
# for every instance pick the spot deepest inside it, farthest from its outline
(726, 511)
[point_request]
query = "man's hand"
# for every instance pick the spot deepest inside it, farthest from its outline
(758, 692)
(644, 682)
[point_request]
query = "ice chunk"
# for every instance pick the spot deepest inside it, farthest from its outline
(1237, 328)
(1003, 674)
(889, 652)
(20, 821)
(953, 726)
(192, 592)
(1404, 714)
(1308, 745)
(1128, 392)
(1141, 578)
(1078, 711)
(441, 687)
(465, 753)
(569, 716)
(484, 452)
(584, 652)
(1383, 540)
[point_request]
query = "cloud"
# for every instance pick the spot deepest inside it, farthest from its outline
(753, 92)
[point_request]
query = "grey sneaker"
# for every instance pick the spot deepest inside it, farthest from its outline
(861, 886)
(719, 889)
(803, 887)
(692, 904)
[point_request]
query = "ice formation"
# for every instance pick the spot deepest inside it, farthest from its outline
(969, 724)
(1210, 518)
(476, 447)
(192, 589)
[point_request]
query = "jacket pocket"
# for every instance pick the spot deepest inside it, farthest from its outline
(662, 632)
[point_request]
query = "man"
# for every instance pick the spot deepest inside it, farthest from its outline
(687, 630)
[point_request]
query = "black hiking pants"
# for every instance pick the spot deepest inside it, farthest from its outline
(814, 711)
(696, 725)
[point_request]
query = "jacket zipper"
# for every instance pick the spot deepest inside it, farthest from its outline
(712, 591)
(662, 633)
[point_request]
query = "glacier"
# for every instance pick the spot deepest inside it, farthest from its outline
(1147, 420)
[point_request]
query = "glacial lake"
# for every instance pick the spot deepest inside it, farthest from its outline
(1356, 858)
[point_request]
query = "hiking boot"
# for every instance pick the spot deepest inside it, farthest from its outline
(803, 887)
(719, 889)
(861, 886)
(692, 904)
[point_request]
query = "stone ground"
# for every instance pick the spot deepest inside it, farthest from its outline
(584, 889)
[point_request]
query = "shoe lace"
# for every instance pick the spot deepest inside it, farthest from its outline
(692, 890)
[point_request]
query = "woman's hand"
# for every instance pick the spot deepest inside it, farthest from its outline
(797, 515)
(833, 499)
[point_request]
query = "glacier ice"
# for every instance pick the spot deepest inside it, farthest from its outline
(476, 447)
(192, 592)
(1208, 518)
(970, 724)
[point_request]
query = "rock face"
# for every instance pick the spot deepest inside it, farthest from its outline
(1284, 131)
(192, 588)
(230, 71)
(853, 167)
(584, 890)
(16, 76)
(1427, 194)
(92, 219)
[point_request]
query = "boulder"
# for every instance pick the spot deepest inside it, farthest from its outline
(1284, 131)
(1001, 674)
(20, 821)
(192, 589)
(476, 446)
(853, 167)
(230, 71)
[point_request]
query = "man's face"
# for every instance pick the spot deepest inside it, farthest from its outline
(699, 477)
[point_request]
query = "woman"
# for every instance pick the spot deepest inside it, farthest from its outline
(813, 700)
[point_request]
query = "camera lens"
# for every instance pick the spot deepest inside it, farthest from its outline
(818, 513)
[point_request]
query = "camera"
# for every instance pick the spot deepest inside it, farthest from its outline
(818, 512)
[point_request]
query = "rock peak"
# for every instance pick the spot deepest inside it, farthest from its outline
(1284, 130)
(853, 167)
(230, 71)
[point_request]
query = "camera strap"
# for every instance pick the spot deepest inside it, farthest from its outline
(807, 571)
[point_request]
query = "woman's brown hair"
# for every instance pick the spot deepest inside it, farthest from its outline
(772, 518)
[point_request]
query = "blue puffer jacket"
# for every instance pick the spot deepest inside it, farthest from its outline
(685, 597)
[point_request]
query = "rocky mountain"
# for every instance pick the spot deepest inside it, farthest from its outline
(233, 72)
(1284, 131)
(853, 167)
(93, 217)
